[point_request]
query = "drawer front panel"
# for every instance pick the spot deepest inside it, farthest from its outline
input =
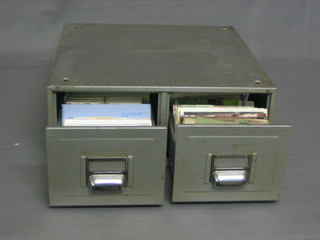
(229, 163)
(134, 156)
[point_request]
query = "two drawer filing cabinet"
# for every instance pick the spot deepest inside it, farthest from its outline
(163, 64)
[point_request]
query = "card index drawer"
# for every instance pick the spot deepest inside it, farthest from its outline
(101, 166)
(229, 163)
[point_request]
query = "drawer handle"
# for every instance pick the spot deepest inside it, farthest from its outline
(230, 170)
(107, 182)
(230, 177)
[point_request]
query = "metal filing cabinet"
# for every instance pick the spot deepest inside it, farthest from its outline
(166, 63)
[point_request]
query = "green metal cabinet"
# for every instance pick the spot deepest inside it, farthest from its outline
(166, 63)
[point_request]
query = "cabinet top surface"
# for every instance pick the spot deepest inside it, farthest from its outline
(120, 56)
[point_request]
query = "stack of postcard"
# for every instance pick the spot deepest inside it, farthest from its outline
(212, 114)
(106, 114)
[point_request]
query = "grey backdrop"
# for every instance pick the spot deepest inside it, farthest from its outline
(284, 35)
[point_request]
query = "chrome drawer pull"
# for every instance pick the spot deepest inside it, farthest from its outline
(230, 170)
(107, 182)
(230, 177)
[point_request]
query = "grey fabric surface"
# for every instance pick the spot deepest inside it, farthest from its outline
(284, 35)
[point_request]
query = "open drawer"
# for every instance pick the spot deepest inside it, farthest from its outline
(106, 165)
(228, 162)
